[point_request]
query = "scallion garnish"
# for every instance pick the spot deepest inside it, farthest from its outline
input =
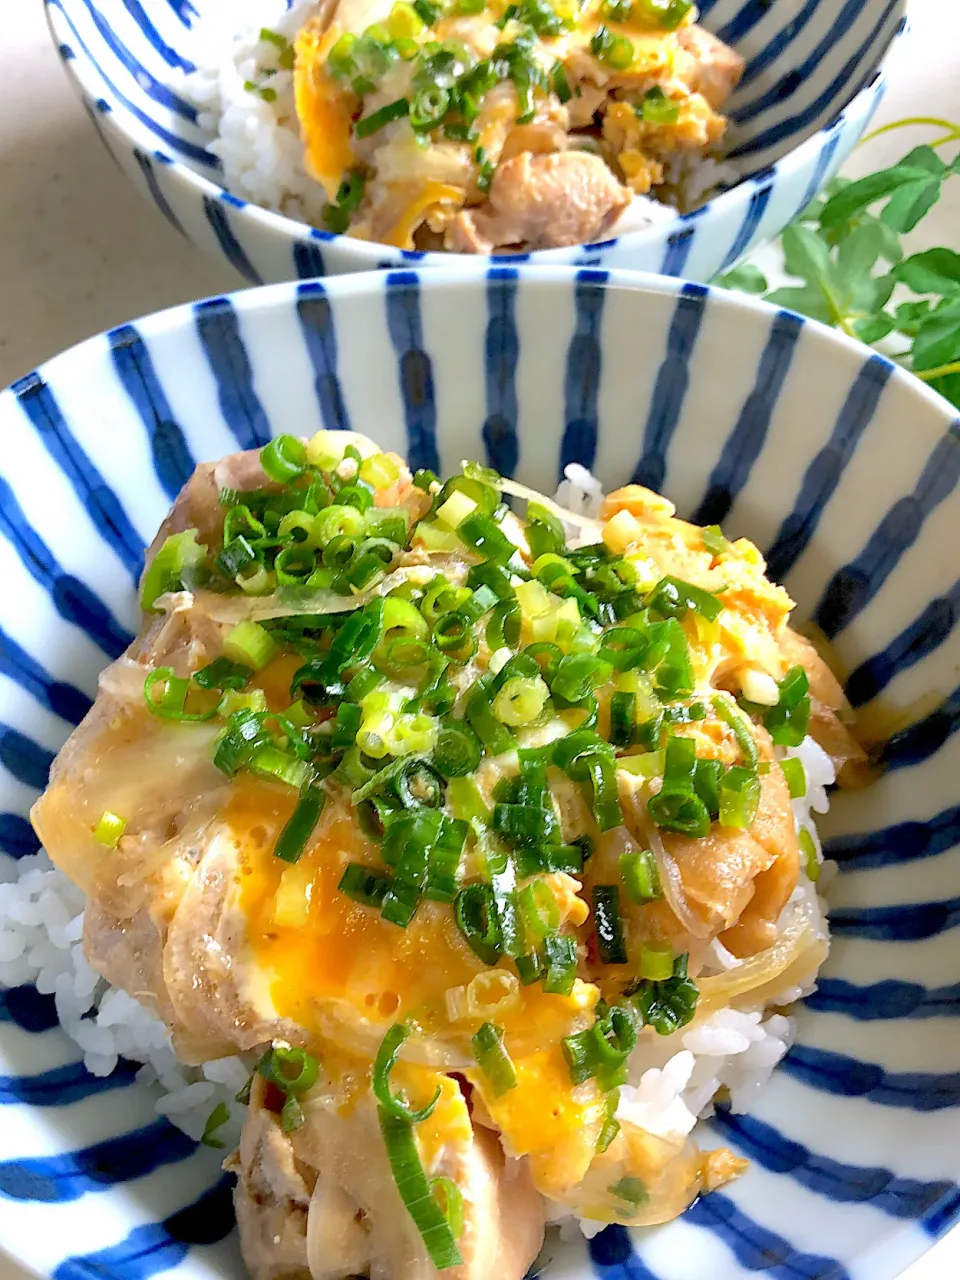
(787, 722)
(493, 1059)
(383, 1065)
(414, 1189)
(607, 924)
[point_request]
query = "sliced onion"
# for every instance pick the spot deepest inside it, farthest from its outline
(796, 955)
(234, 609)
(588, 523)
(634, 791)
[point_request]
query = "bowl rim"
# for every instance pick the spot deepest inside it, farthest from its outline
(371, 253)
(907, 1244)
(469, 273)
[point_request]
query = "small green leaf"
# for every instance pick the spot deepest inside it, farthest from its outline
(871, 294)
(911, 314)
(911, 203)
(747, 278)
(805, 254)
(891, 249)
(808, 300)
(858, 253)
(872, 328)
(856, 197)
(937, 341)
(924, 157)
(934, 271)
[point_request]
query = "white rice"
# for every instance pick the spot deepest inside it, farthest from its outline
(41, 925)
(258, 142)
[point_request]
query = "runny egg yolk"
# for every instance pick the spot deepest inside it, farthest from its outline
(326, 947)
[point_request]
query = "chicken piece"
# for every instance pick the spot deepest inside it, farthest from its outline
(543, 202)
(707, 65)
(830, 712)
(272, 1199)
(356, 1221)
(731, 883)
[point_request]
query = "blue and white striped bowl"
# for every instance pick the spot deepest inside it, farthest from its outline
(812, 83)
(844, 468)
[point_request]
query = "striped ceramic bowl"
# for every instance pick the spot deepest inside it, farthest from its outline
(843, 467)
(814, 78)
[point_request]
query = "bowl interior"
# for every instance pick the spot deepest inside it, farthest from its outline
(805, 62)
(842, 468)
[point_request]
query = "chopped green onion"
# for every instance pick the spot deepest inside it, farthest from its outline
(560, 957)
(236, 557)
(217, 1118)
(291, 1114)
(559, 82)
(631, 1190)
(578, 674)
(429, 1219)
(607, 923)
(250, 644)
(493, 576)
(666, 1006)
(739, 797)
(520, 700)
(714, 541)
(613, 51)
(363, 885)
(292, 840)
(289, 1067)
(680, 811)
(110, 827)
(383, 1065)
(270, 762)
(494, 736)
(811, 863)
(658, 108)
(680, 763)
(448, 1196)
(656, 963)
(674, 598)
(458, 751)
(223, 674)
(453, 636)
(486, 538)
(503, 628)
(640, 876)
(624, 647)
(539, 909)
(284, 458)
(706, 782)
(179, 555)
(418, 786)
(544, 531)
(384, 116)
(796, 777)
(667, 14)
(611, 1125)
(788, 721)
(493, 1059)
(731, 714)
(475, 911)
(165, 694)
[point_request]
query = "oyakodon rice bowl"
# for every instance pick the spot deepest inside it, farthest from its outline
(467, 128)
(479, 846)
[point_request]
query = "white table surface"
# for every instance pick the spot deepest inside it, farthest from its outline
(80, 251)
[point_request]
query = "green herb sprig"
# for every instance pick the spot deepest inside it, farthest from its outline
(847, 251)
